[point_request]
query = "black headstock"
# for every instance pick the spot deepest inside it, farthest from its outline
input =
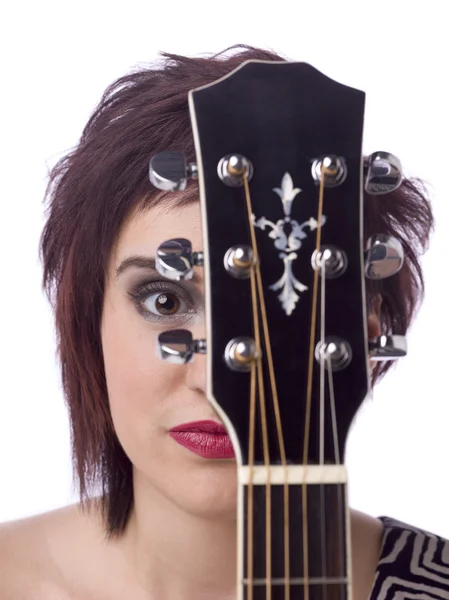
(283, 118)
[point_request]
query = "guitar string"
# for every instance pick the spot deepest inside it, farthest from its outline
(309, 394)
(276, 411)
(322, 431)
(250, 501)
(260, 383)
(322, 372)
(333, 411)
(341, 531)
(255, 379)
(326, 363)
(341, 549)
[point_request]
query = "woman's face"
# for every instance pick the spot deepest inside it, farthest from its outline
(148, 396)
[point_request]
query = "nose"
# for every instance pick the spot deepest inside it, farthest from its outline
(196, 370)
(196, 374)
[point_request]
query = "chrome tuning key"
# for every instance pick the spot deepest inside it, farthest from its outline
(178, 346)
(232, 168)
(170, 171)
(383, 173)
(384, 256)
(331, 169)
(241, 353)
(175, 259)
(387, 347)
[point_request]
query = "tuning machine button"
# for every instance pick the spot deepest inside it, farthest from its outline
(387, 347)
(384, 256)
(241, 353)
(330, 259)
(383, 173)
(334, 351)
(170, 171)
(177, 346)
(239, 260)
(232, 169)
(331, 169)
(175, 259)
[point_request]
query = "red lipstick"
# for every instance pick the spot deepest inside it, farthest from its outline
(205, 438)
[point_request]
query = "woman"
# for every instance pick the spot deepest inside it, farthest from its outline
(164, 524)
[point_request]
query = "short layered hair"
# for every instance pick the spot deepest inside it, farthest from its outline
(98, 185)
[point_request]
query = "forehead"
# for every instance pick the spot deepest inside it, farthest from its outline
(146, 230)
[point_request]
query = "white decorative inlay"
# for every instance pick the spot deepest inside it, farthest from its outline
(288, 245)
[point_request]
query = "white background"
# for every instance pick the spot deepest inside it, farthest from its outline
(56, 60)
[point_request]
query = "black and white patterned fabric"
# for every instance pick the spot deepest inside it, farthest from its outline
(413, 564)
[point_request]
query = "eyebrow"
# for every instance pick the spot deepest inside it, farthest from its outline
(141, 262)
(144, 262)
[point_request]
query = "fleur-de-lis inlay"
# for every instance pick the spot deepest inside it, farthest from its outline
(287, 244)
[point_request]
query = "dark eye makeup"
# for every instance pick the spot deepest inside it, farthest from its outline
(172, 302)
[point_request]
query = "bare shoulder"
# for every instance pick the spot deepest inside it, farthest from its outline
(40, 556)
(25, 559)
(367, 530)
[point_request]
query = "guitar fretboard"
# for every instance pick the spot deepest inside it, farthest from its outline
(324, 575)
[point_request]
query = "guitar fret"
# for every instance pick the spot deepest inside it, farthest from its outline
(298, 581)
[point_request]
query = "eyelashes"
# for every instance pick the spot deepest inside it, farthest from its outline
(166, 302)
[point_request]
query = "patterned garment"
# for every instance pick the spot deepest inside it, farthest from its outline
(413, 564)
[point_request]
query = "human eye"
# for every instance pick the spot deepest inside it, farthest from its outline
(164, 301)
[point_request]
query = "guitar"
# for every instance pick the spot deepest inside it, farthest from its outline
(281, 176)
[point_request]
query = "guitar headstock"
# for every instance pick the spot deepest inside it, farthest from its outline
(281, 176)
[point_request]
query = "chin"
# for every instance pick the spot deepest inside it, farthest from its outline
(209, 507)
(208, 489)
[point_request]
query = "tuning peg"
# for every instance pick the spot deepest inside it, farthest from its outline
(384, 256)
(169, 170)
(175, 259)
(387, 347)
(383, 173)
(177, 346)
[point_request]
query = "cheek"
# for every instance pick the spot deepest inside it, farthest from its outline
(139, 383)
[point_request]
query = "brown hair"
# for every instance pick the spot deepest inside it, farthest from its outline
(97, 186)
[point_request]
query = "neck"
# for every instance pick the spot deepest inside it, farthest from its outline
(176, 554)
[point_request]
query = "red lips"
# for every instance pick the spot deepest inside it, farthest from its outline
(205, 438)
